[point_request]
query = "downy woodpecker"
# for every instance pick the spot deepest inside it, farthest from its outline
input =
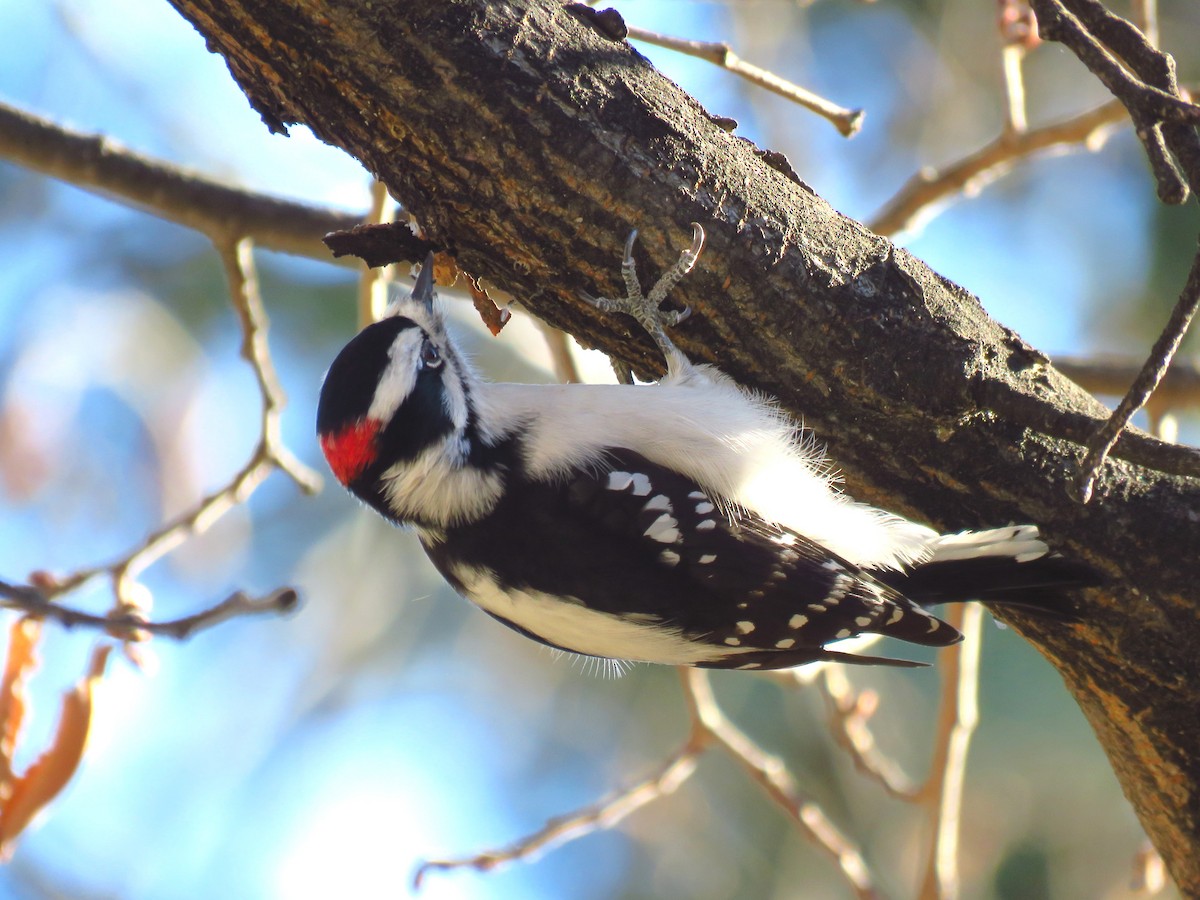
(687, 522)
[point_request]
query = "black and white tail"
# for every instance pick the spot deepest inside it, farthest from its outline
(1012, 565)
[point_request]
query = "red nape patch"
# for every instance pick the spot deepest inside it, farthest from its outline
(350, 450)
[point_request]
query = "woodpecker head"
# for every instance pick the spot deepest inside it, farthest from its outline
(395, 408)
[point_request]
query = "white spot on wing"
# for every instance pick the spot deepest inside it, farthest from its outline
(862, 621)
(797, 621)
(704, 508)
(733, 642)
(707, 558)
(786, 643)
(744, 627)
(664, 529)
(670, 557)
(706, 525)
(658, 502)
(641, 485)
(619, 481)
(844, 633)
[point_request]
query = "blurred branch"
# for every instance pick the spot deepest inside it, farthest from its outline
(1179, 388)
(1143, 80)
(238, 258)
(920, 197)
(1145, 17)
(1012, 58)
(1018, 35)
(709, 728)
(561, 360)
(269, 455)
(130, 625)
(373, 281)
(1149, 876)
(958, 714)
(674, 771)
(100, 164)
(773, 777)
(849, 718)
(847, 121)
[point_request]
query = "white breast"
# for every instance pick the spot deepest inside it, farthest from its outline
(569, 624)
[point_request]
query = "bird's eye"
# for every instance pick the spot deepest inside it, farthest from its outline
(431, 357)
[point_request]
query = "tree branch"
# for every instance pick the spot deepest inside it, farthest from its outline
(1148, 379)
(928, 191)
(130, 625)
(100, 164)
(958, 714)
(847, 121)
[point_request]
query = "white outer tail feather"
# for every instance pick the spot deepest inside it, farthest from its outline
(1019, 542)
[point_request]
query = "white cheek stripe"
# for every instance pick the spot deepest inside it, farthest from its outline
(399, 377)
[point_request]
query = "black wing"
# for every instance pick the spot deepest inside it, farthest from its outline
(633, 538)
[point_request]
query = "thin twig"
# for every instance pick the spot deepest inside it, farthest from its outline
(1142, 78)
(1152, 372)
(1012, 58)
(129, 625)
(238, 259)
(269, 455)
(924, 193)
(958, 714)
(1145, 17)
(773, 777)
(562, 361)
(1018, 35)
(373, 282)
(847, 121)
(849, 717)
(709, 728)
(673, 772)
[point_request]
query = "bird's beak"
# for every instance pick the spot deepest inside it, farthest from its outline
(423, 289)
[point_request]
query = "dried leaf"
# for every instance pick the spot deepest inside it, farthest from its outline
(493, 316)
(22, 644)
(445, 270)
(51, 772)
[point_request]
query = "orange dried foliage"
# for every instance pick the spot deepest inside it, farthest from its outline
(446, 273)
(22, 644)
(23, 796)
(493, 316)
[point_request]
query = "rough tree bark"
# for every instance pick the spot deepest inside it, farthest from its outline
(528, 144)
